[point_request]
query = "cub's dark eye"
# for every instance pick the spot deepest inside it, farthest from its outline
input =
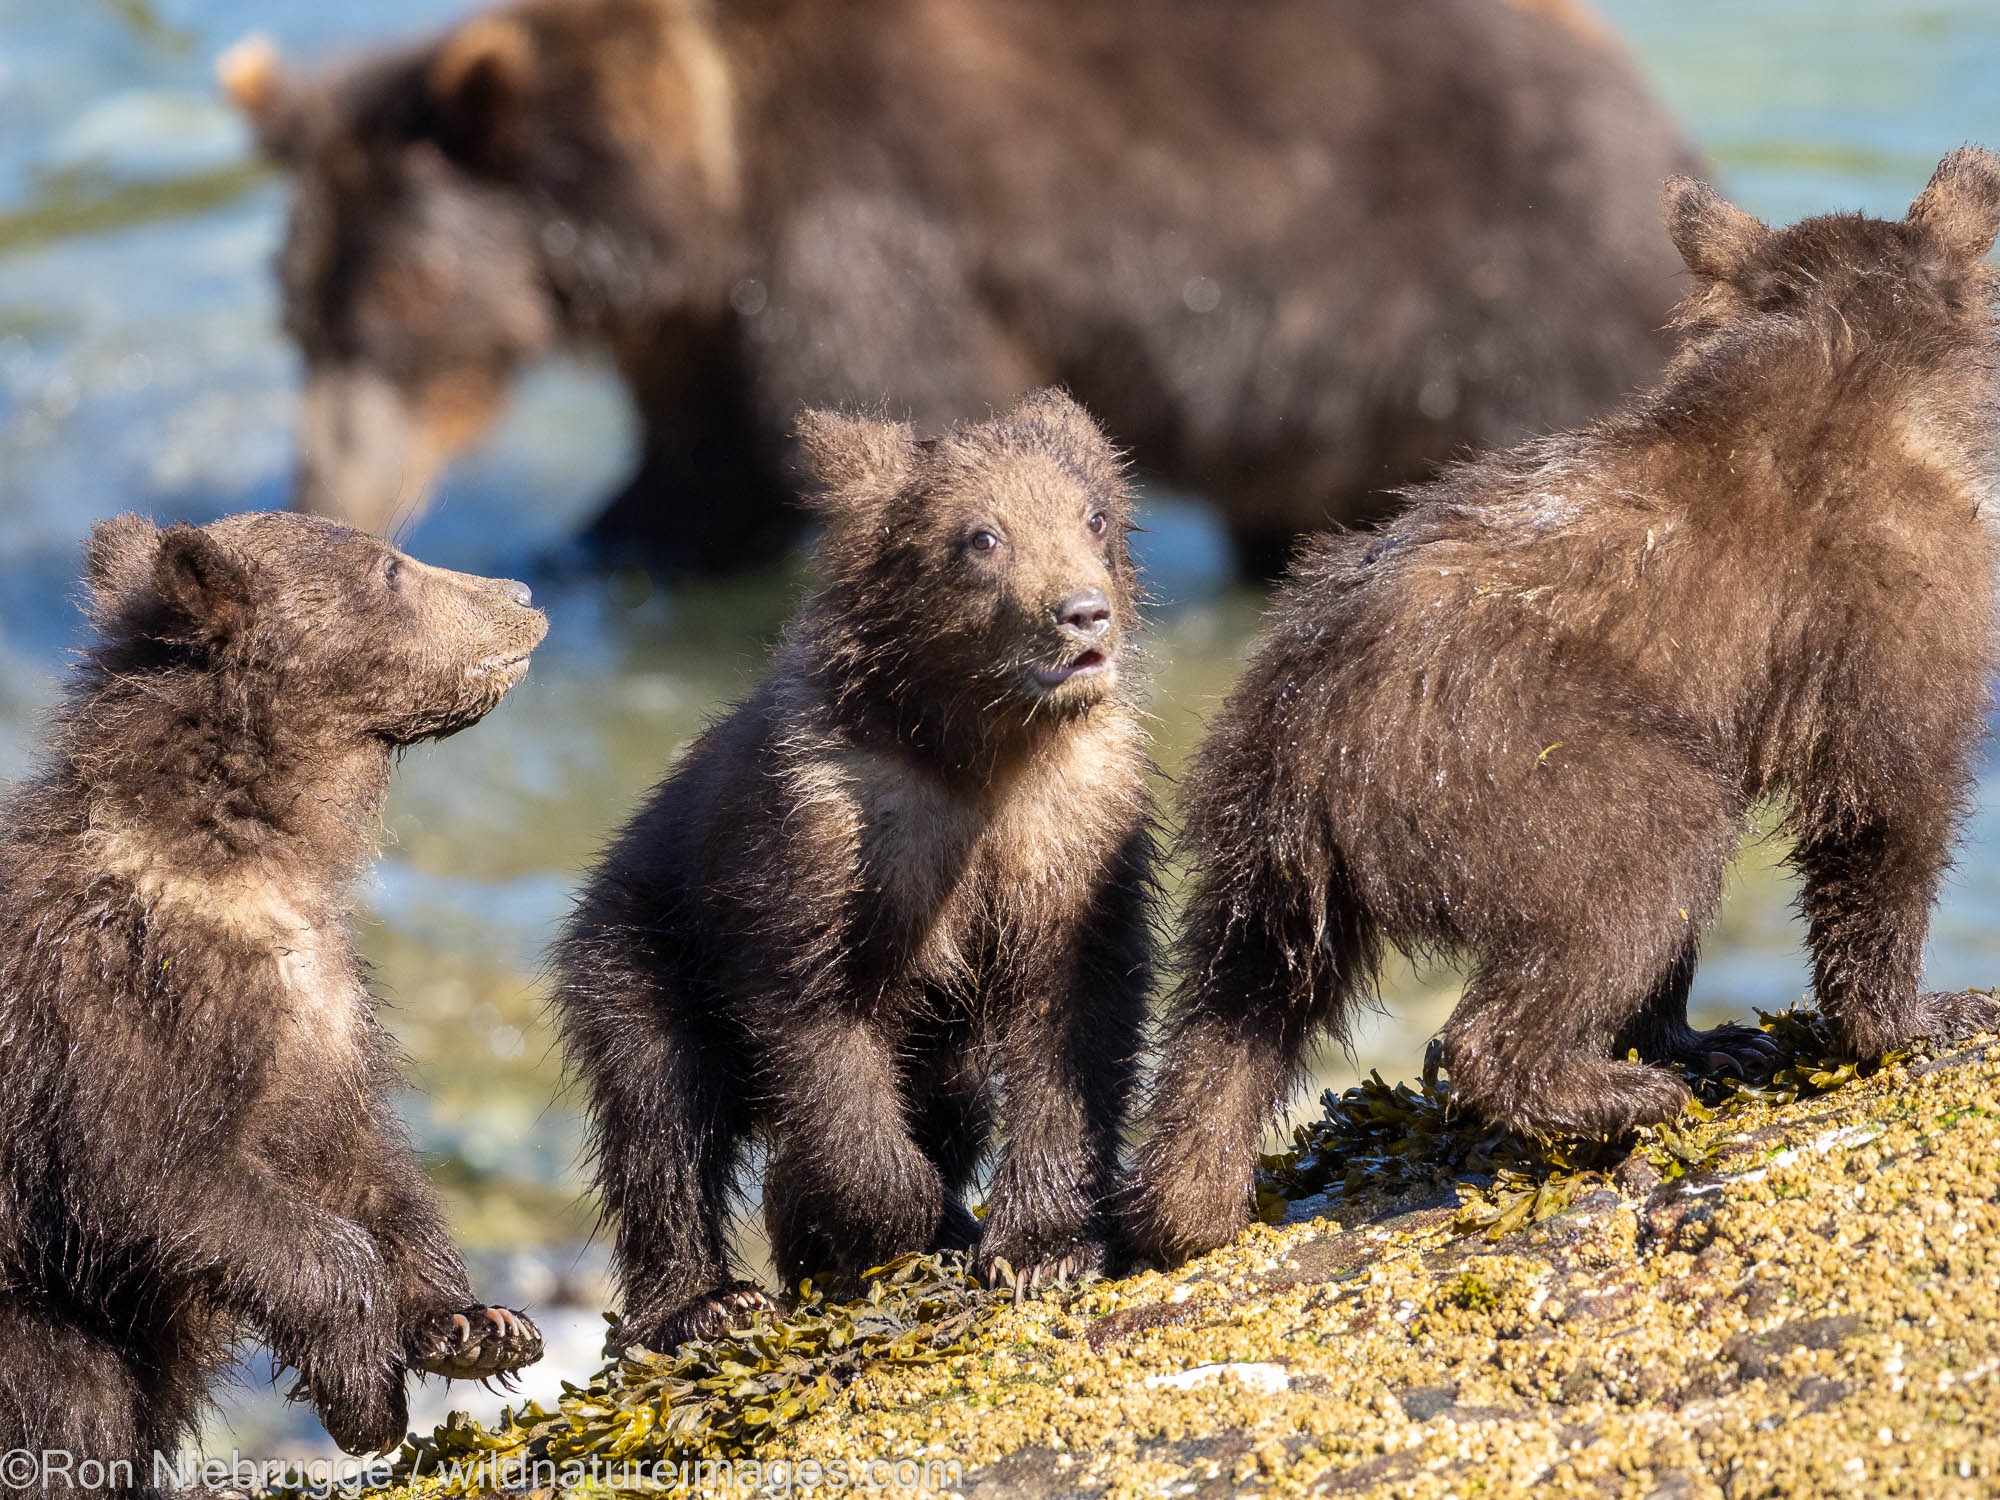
(1097, 523)
(982, 541)
(392, 572)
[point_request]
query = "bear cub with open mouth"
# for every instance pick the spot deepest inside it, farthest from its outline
(1526, 720)
(196, 1142)
(916, 859)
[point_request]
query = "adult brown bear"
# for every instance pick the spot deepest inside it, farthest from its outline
(1292, 253)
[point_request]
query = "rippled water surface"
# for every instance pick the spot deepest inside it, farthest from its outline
(140, 368)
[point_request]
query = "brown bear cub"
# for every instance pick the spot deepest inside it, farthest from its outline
(917, 856)
(195, 1145)
(1525, 721)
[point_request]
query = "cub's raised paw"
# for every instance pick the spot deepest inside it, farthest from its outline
(1953, 1015)
(475, 1344)
(1030, 1269)
(703, 1317)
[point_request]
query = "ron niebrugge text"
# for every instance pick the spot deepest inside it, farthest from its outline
(53, 1470)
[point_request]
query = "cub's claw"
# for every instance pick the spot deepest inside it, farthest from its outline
(475, 1344)
(704, 1317)
(1037, 1273)
(1729, 1051)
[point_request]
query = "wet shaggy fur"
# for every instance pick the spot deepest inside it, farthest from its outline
(1525, 721)
(915, 860)
(195, 1144)
(1293, 256)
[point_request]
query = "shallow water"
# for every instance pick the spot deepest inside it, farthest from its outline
(140, 368)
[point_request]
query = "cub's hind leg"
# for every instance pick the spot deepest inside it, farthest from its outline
(1587, 946)
(68, 1392)
(1526, 1045)
(1871, 879)
(1265, 978)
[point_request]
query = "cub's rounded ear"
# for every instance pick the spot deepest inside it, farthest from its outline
(850, 458)
(1961, 207)
(118, 560)
(1057, 413)
(1715, 238)
(204, 584)
(251, 74)
(480, 82)
(1053, 404)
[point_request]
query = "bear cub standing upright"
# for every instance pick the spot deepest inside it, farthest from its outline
(1526, 720)
(917, 856)
(195, 1141)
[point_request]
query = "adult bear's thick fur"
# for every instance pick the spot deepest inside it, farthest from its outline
(1294, 253)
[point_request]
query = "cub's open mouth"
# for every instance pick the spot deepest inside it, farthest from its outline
(1090, 664)
(499, 664)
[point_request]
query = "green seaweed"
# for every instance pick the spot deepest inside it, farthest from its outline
(726, 1397)
(1384, 1140)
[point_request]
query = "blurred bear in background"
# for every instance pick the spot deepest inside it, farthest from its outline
(1525, 722)
(196, 1139)
(918, 856)
(1292, 253)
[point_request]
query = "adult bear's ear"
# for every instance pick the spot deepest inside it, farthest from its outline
(118, 561)
(1715, 237)
(853, 460)
(204, 586)
(480, 81)
(255, 81)
(1961, 207)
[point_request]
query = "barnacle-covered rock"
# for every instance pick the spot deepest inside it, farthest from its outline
(1793, 1291)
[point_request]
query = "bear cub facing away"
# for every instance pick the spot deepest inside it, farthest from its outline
(916, 857)
(195, 1142)
(1525, 721)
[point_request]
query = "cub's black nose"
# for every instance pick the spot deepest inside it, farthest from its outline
(1086, 615)
(519, 592)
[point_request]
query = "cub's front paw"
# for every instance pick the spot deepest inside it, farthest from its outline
(1945, 1016)
(1181, 1217)
(1023, 1265)
(474, 1343)
(703, 1317)
(1187, 1211)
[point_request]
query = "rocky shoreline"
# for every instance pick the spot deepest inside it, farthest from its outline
(1797, 1295)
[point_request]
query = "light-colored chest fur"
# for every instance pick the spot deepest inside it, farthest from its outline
(949, 871)
(317, 1005)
